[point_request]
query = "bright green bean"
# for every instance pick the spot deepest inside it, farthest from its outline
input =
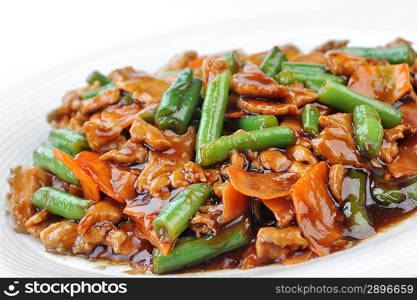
(393, 55)
(60, 203)
(271, 64)
(174, 218)
(303, 67)
(68, 140)
(310, 119)
(368, 130)
(189, 251)
(97, 76)
(250, 123)
(213, 110)
(344, 99)
(43, 157)
(314, 80)
(232, 60)
(179, 102)
(354, 196)
(219, 149)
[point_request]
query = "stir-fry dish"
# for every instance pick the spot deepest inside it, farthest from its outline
(227, 160)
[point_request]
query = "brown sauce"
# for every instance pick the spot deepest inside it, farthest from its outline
(141, 262)
(164, 163)
(384, 217)
(381, 216)
(229, 260)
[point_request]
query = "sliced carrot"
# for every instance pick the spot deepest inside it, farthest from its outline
(235, 204)
(89, 186)
(262, 186)
(100, 171)
(317, 215)
(282, 209)
(384, 83)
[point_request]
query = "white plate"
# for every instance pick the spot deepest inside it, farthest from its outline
(22, 124)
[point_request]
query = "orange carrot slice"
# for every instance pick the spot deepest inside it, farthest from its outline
(100, 171)
(282, 209)
(235, 204)
(262, 186)
(317, 215)
(89, 186)
(384, 83)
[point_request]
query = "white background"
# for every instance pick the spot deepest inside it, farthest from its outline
(38, 35)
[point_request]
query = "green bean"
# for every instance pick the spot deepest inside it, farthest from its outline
(44, 158)
(271, 64)
(315, 80)
(250, 123)
(313, 84)
(218, 150)
(344, 99)
(368, 130)
(393, 55)
(148, 115)
(97, 76)
(310, 119)
(93, 93)
(303, 67)
(213, 110)
(179, 102)
(60, 203)
(189, 251)
(174, 218)
(232, 60)
(68, 140)
(396, 191)
(354, 196)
